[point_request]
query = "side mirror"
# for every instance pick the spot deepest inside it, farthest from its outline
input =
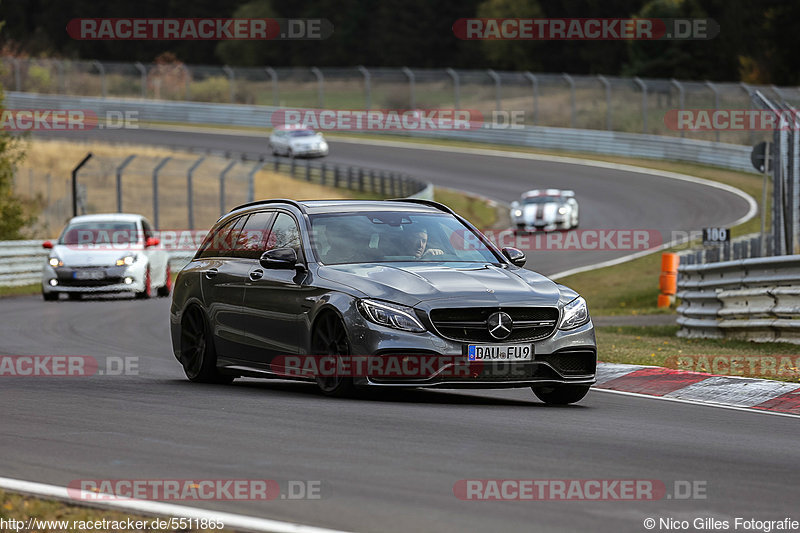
(152, 241)
(47, 245)
(279, 258)
(517, 257)
(514, 204)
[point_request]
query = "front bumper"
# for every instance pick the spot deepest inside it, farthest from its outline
(300, 151)
(564, 357)
(541, 225)
(109, 279)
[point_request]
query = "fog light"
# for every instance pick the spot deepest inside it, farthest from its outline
(128, 281)
(53, 282)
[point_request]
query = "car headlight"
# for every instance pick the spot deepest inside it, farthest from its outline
(392, 316)
(562, 210)
(517, 212)
(55, 262)
(575, 314)
(126, 260)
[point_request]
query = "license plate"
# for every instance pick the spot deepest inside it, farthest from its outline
(500, 352)
(89, 274)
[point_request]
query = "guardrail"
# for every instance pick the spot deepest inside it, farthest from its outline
(749, 299)
(732, 156)
(21, 262)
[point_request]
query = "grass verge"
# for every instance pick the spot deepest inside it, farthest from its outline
(20, 290)
(23, 507)
(658, 346)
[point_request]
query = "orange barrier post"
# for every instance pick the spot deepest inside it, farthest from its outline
(668, 281)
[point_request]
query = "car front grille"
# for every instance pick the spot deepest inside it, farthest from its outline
(469, 324)
(571, 362)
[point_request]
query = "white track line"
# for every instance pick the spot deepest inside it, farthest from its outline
(230, 520)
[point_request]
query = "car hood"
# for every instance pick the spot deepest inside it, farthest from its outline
(465, 283)
(88, 256)
(546, 211)
(306, 141)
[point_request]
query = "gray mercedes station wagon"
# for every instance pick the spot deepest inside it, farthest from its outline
(395, 293)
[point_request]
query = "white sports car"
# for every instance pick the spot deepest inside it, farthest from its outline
(545, 210)
(106, 253)
(297, 141)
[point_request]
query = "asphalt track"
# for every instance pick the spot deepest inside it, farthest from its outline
(609, 199)
(389, 462)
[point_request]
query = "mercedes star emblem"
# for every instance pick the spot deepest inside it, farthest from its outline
(500, 325)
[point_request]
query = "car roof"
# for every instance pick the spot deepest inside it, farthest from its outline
(314, 207)
(107, 217)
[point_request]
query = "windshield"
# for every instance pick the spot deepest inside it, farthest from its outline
(302, 133)
(100, 232)
(542, 200)
(379, 237)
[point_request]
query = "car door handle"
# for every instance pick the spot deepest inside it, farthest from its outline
(211, 272)
(256, 274)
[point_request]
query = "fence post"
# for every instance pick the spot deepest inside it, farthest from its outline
(681, 98)
(320, 86)
(75, 183)
(189, 189)
(143, 74)
(497, 88)
(716, 103)
(120, 168)
(607, 86)
(751, 133)
(159, 166)
(308, 170)
(367, 86)
(456, 87)
(411, 87)
(273, 78)
(571, 83)
(231, 82)
(643, 87)
(336, 176)
(251, 181)
(99, 66)
(222, 186)
(535, 83)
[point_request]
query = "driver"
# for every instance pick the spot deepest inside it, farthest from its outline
(418, 245)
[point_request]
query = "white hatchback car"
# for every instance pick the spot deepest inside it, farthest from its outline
(297, 141)
(106, 253)
(545, 210)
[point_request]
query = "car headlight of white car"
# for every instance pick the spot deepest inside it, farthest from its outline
(563, 210)
(55, 262)
(517, 213)
(575, 314)
(392, 316)
(126, 260)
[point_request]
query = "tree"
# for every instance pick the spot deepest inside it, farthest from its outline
(14, 211)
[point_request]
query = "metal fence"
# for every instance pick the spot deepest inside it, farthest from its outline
(189, 190)
(781, 236)
(635, 105)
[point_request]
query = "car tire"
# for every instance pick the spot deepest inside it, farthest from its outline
(561, 394)
(50, 296)
(290, 152)
(329, 338)
(165, 289)
(198, 353)
(147, 292)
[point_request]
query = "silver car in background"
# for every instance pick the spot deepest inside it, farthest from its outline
(545, 210)
(106, 253)
(297, 141)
